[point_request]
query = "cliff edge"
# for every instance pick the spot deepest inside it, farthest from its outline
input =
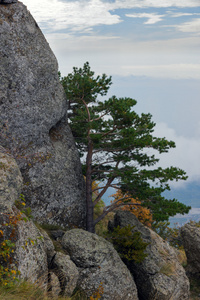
(33, 121)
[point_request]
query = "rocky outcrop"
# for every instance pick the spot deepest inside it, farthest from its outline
(160, 276)
(99, 265)
(33, 253)
(7, 1)
(33, 122)
(190, 234)
(29, 254)
(49, 247)
(10, 181)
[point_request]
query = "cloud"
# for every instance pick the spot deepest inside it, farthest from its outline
(177, 15)
(185, 155)
(76, 15)
(155, 3)
(175, 71)
(192, 26)
(152, 18)
(175, 58)
(81, 15)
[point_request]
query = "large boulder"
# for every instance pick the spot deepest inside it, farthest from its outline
(33, 122)
(29, 255)
(67, 273)
(100, 266)
(190, 234)
(160, 276)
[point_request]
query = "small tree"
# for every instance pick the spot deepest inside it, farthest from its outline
(142, 213)
(114, 143)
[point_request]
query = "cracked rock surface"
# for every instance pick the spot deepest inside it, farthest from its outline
(33, 123)
(99, 264)
(8, 1)
(160, 276)
(190, 234)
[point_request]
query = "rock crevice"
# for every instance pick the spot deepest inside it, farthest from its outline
(33, 123)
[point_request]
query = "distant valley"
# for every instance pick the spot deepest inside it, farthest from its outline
(189, 195)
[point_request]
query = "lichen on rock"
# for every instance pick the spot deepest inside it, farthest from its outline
(8, 1)
(10, 181)
(160, 276)
(33, 123)
(99, 264)
(190, 234)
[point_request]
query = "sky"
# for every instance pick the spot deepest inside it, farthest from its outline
(151, 48)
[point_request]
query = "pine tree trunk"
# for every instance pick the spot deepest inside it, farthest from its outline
(89, 203)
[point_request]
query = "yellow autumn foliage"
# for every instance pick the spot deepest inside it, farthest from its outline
(142, 213)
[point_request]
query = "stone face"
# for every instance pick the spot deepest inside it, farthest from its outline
(190, 234)
(160, 276)
(30, 253)
(99, 264)
(33, 123)
(55, 289)
(49, 247)
(67, 273)
(7, 1)
(29, 256)
(10, 181)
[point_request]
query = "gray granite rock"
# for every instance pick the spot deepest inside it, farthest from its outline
(67, 273)
(33, 122)
(30, 254)
(99, 265)
(49, 247)
(10, 181)
(8, 1)
(190, 234)
(160, 276)
(54, 285)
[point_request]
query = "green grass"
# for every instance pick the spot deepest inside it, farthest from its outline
(22, 291)
(29, 291)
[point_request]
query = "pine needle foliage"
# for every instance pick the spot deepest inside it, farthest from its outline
(128, 244)
(115, 144)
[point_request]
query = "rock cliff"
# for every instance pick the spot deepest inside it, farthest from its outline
(10, 182)
(33, 121)
(89, 261)
(34, 130)
(29, 254)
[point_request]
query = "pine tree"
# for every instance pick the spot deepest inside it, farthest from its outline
(114, 143)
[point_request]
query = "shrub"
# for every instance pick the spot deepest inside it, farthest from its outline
(8, 272)
(128, 244)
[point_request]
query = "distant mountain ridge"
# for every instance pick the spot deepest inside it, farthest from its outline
(189, 195)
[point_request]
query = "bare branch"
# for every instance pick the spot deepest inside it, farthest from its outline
(110, 180)
(100, 117)
(105, 212)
